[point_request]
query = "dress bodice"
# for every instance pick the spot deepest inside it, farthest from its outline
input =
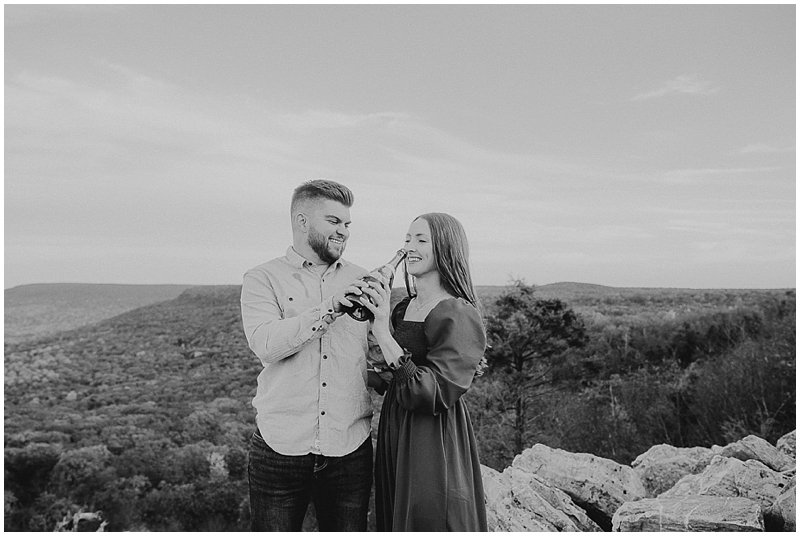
(410, 335)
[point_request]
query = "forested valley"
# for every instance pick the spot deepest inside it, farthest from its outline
(145, 417)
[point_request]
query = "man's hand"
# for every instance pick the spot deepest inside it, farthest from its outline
(378, 380)
(341, 300)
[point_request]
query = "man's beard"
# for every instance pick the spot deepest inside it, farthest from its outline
(319, 245)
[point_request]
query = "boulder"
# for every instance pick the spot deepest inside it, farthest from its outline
(82, 522)
(786, 444)
(567, 517)
(689, 514)
(503, 513)
(663, 465)
(783, 511)
(730, 477)
(755, 448)
(518, 502)
(598, 485)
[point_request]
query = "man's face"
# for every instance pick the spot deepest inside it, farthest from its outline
(328, 223)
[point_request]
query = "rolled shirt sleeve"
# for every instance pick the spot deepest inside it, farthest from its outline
(271, 335)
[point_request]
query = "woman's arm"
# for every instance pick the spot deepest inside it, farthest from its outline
(380, 294)
(456, 342)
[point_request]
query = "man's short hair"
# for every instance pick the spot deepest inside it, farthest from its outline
(321, 189)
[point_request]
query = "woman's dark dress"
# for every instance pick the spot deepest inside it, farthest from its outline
(427, 474)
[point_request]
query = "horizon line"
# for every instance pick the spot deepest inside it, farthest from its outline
(400, 286)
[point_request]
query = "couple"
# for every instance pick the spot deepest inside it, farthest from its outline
(313, 410)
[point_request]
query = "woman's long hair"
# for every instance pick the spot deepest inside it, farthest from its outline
(451, 253)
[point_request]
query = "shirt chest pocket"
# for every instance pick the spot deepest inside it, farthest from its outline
(293, 300)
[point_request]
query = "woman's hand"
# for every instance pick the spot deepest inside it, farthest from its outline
(380, 296)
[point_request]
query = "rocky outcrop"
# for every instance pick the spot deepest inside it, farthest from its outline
(754, 448)
(519, 502)
(663, 465)
(730, 477)
(783, 510)
(747, 485)
(598, 485)
(786, 444)
(82, 522)
(689, 514)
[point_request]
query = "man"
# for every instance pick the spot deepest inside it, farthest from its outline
(313, 411)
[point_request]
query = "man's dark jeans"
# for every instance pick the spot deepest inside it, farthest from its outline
(281, 487)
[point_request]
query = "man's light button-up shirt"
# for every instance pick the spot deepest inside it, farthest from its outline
(311, 395)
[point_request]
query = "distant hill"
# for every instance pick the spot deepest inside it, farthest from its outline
(37, 310)
(43, 309)
(180, 351)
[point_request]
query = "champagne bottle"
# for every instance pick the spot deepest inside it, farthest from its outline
(359, 311)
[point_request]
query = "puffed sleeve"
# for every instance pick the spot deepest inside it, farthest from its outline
(456, 343)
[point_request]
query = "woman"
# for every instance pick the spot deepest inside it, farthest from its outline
(427, 474)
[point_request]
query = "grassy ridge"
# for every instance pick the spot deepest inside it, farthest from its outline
(44, 309)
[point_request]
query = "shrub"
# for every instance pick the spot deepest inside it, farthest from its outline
(200, 506)
(748, 390)
(28, 469)
(80, 472)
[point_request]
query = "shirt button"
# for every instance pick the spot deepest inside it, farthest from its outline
(322, 413)
(324, 384)
(313, 329)
(324, 357)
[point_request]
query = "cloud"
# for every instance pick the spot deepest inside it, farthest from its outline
(325, 119)
(681, 85)
(119, 162)
(21, 15)
(121, 158)
(765, 148)
(698, 175)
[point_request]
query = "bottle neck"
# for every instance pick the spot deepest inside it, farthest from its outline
(397, 259)
(390, 267)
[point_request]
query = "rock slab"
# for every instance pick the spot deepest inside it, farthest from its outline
(786, 444)
(729, 477)
(517, 501)
(689, 514)
(596, 484)
(755, 448)
(663, 465)
(784, 510)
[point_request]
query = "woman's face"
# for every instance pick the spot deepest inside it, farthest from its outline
(419, 260)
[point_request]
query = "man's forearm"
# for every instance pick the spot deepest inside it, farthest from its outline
(274, 338)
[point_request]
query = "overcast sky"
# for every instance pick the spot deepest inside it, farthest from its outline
(619, 145)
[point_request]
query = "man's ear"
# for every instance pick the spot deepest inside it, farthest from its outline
(301, 221)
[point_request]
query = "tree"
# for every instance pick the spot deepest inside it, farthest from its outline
(81, 471)
(529, 341)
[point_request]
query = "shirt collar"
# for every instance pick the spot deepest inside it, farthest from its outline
(298, 261)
